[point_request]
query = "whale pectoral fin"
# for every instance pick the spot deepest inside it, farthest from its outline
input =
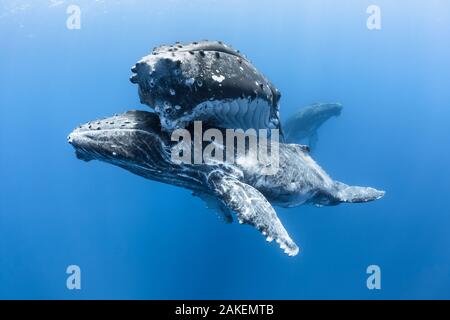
(252, 208)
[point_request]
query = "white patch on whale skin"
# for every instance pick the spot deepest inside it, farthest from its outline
(219, 78)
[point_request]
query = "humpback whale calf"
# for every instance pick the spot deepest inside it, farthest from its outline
(136, 142)
(303, 125)
(209, 81)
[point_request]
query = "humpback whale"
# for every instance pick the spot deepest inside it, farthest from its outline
(135, 141)
(209, 81)
(303, 125)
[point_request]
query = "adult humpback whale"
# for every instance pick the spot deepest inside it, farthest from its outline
(136, 142)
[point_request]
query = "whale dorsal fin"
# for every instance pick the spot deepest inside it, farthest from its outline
(252, 208)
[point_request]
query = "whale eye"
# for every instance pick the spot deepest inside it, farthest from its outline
(200, 82)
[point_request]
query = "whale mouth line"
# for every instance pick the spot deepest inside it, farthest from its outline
(77, 131)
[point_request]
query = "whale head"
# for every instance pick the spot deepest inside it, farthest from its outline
(131, 140)
(209, 81)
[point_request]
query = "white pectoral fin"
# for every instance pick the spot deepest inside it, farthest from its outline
(252, 208)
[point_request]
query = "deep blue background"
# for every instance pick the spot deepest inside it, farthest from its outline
(135, 238)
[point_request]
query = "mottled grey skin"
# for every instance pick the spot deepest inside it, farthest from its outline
(136, 142)
(208, 81)
(303, 125)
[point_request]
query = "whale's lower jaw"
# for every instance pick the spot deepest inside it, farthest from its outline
(232, 113)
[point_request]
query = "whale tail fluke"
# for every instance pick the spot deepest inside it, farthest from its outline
(355, 194)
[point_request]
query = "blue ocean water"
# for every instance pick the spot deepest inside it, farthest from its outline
(138, 239)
